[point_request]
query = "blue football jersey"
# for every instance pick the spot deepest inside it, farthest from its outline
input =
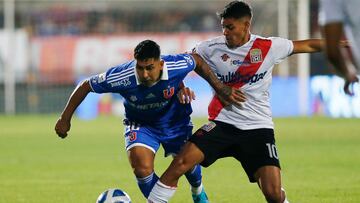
(156, 105)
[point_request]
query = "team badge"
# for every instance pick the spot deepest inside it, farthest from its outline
(132, 136)
(169, 92)
(225, 57)
(255, 56)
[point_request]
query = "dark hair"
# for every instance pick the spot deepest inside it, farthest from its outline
(236, 9)
(147, 49)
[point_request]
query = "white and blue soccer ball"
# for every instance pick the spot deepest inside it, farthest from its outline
(113, 196)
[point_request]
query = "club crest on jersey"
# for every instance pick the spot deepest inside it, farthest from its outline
(132, 136)
(169, 92)
(225, 57)
(255, 56)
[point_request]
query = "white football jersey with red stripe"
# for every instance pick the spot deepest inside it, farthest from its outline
(249, 68)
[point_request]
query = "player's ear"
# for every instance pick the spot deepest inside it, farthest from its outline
(162, 64)
(247, 25)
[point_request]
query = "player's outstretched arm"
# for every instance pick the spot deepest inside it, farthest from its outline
(333, 33)
(229, 95)
(308, 46)
(63, 124)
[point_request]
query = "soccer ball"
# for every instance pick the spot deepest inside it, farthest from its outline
(113, 196)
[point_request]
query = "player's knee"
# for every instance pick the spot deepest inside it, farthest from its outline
(142, 171)
(181, 165)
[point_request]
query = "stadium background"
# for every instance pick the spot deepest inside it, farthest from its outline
(47, 46)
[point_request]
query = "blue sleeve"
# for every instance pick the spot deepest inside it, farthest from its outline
(113, 80)
(180, 65)
(99, 84)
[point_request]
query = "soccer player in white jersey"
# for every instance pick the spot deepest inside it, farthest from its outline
(153, 114)
(245, 61)
(338, 17)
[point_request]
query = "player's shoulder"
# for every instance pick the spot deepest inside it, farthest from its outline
(122, 74)
(212, 42)
(178, 60)
(124, 68)
(273, 39)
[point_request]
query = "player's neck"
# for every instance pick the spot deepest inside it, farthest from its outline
(241, 42)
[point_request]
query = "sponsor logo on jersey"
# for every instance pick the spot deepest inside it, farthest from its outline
(236, 77)
(209, 126)
(125, 82)
(237, 62)
(225, 57)
(255, 55)
(169, 92)
(156, 105)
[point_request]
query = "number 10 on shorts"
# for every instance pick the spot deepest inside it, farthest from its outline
(272, 150)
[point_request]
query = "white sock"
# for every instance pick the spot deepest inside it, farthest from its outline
(196, 190)
(285, 201)
(161, 193)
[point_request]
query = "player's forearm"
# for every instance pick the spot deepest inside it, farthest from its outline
(75, 99)
(203, 69)
(206, 73)
(308, 46)
(335, 57)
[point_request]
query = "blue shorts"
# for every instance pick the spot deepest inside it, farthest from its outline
(172, 139)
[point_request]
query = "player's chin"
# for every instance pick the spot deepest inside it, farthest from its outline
(230, 42)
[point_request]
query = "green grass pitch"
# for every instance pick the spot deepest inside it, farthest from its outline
(320, 158)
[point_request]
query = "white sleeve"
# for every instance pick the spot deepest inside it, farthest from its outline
(331, 11)
(199, 49)
(281, 48)
(202, 49)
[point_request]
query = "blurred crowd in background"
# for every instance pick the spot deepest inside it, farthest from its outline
(67, 19)
(59, 42)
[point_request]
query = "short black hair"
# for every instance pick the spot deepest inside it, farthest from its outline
(236, 9)
(147, 49)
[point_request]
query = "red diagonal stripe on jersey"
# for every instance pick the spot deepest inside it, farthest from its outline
(247, 69)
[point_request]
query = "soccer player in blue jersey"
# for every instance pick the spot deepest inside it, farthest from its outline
(153, 113)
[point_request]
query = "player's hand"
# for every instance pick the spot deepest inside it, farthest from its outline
(62, 127)
(231, 95)
(186, 95)
(350, 79)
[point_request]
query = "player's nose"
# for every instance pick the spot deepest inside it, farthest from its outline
(145, 75)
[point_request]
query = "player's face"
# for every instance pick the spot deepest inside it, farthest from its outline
(149, 71)
(236, 31)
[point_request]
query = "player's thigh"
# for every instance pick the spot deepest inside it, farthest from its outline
(175, 139)
(213, 140)
(137, 135)
(256, 149)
